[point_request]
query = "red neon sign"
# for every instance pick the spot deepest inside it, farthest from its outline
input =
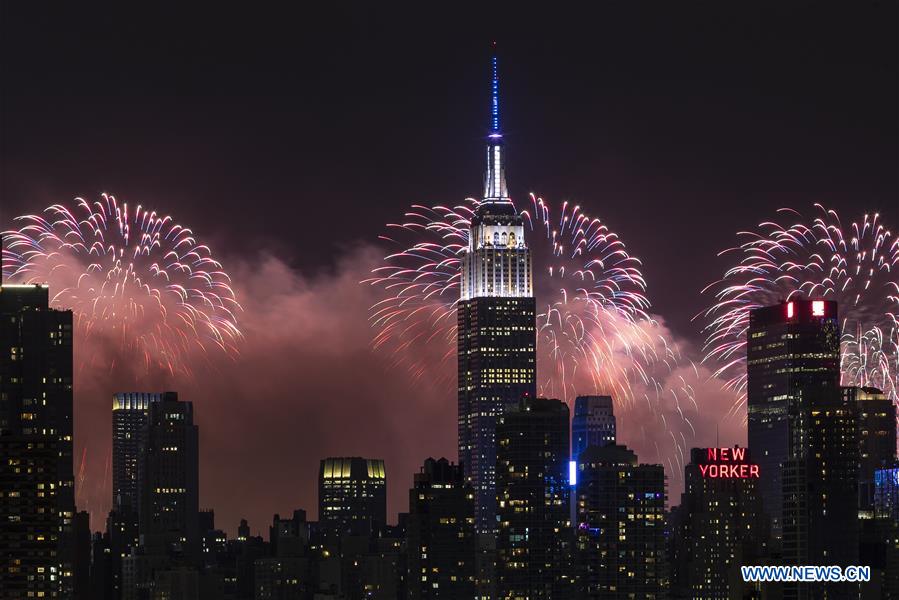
(728, 463)
(789, 310)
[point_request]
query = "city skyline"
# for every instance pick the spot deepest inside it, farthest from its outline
(313, 280)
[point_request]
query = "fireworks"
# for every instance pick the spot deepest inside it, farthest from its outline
(595, 332)
(856, 265)
(130, 276)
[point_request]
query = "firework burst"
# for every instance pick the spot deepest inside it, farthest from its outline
(129, 275)
(595, 332)
(854, 264)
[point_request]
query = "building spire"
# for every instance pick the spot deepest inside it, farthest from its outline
(495, 181)
(494, 116)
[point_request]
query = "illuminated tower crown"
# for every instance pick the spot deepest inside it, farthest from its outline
(498, 262)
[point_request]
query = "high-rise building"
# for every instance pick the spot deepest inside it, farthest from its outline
(876, 430)
(496, 324)
(534, 531)
(130, 426)
(352, 497)
(621, 525)
(718, 526)
(441, 533)
(130, 414)
(37, 498)
(168, 473)
(593, 423)
(792, 356)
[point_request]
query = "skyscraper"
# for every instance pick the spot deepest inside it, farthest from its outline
(593, 423)
(534, 540)
(352, 497)
(621, 525)
(496, 324)
(792, 355)
(130, 426)
(441, 533)
(37, 498)
(169, 477)
(130, 414)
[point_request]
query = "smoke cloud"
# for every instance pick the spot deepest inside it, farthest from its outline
(307, 384)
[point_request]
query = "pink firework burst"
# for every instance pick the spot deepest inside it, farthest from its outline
(130, 276)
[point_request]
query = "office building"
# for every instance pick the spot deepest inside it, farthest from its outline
(37, 498)
(534, 531)
(496, 324)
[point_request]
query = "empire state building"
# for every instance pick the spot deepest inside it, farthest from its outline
(496, 324)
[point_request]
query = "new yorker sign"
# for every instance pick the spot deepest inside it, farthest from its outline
(728, 463)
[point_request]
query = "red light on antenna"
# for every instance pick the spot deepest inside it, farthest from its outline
(818, 308)
(789, 310)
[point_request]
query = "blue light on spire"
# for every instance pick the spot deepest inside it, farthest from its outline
(495, 107)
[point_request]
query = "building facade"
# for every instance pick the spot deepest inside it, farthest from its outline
(441, 533)
(620, 528)
(792, 355)
(593, 423)
(169, 506)
(718, 526)
(496, 325)
(352, 497)
(37, 488)
(876, 431)
(534, 531)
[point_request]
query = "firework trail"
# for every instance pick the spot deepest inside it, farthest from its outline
(130, 276)
(595, 334)
(854, 264)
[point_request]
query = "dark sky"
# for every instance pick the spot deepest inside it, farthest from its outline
(302, 131)
(677, 123)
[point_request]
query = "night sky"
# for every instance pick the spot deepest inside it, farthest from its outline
(286, 139)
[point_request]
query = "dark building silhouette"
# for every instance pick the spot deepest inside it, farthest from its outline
(621, 525)
(130, 418)
(441, 538)
(718, 526)
(593, 423)
(37, 500)
(496, 325)
(352, 497)
(792, 355)
(876, 425)
(534, 532)
(169, 476)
